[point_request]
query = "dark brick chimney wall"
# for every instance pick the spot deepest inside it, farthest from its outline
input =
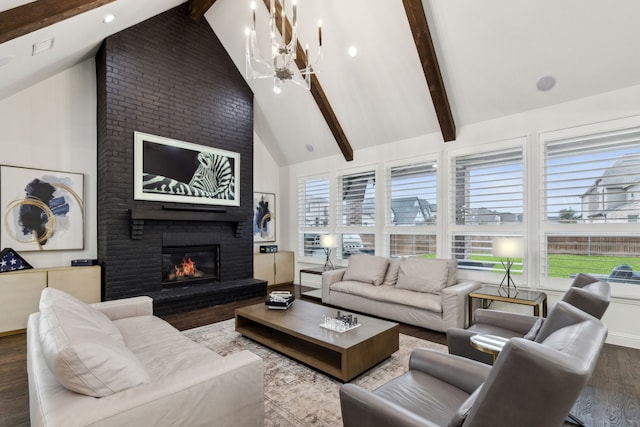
(167, 76)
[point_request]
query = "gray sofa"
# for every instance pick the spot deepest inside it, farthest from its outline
(416, 291)
(115, 364)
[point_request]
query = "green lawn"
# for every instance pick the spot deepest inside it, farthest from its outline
(565, 265)
(561, 265)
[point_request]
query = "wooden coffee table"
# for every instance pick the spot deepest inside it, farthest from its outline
(296, 332)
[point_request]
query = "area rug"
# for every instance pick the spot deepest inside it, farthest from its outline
(296, 395)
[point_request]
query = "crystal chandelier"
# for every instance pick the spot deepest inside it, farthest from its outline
(287, 61)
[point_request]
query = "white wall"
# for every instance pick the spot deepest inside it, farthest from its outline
(52, 125)
(600, 112)
(266, 179)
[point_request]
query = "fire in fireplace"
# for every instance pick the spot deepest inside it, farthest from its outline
(187, 265)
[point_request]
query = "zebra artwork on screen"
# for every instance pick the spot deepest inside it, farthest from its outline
(169, 170)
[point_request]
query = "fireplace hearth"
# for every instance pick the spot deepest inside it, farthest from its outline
(190, 265)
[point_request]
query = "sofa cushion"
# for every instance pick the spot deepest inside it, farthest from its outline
(161, 348)
(81, 356)
(391, 277)
(452, 265)
(388, 294)
(423, 275)
(367, 269)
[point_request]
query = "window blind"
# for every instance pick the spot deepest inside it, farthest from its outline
(412, 194)
(592, 183)
(488, 188)
(593, 180)
(313, 214)
(475, 252)
(356, 199)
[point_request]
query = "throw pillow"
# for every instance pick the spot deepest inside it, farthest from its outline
(533, 332)
(391, 278)
(366, 269)
(75, 310)
(82, 357)
(423, 275)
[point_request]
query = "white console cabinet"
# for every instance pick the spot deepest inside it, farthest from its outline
(20, 291)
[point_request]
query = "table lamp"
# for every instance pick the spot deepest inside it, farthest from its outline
(509, 248)
(328, 242)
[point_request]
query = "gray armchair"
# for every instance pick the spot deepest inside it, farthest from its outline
(589, 294)
(586, 293)
(533, 383)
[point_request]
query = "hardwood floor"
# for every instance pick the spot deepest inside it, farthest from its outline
(611, 397)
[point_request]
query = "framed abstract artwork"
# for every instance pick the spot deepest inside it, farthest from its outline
(168, 170)
(264, 217)
(41, 210)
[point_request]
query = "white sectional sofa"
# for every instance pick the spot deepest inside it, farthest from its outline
(416, 291)
(115, 364)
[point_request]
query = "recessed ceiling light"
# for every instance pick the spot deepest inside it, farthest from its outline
(309, 148)
(5, 60)
(353, 51)
(42, 46)
(108, 18)
(546, 83)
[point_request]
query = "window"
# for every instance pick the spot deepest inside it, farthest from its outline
(476, 252)
(356, 213)
(487, 202)
(593, 180)
(591, 209)
(357, 199)
(411, 210)
(313, 204)
(488, 188)
(610, 257)
(357, 243)
(423, 245)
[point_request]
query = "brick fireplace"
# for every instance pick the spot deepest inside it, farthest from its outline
(170, 76)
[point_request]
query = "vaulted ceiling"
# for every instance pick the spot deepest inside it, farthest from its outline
(490, 55)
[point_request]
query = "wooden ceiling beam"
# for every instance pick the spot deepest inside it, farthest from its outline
(316, 88)
(427, 53)
(33, 16)
(197, 8)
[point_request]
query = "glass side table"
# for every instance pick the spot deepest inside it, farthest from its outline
(317, 292)
(487, 293)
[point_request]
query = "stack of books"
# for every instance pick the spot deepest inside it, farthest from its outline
(279, 300)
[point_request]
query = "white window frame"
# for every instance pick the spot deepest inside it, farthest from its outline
(303, 229)
(586, 132)
(341, 229)
(426, 229)
(488, 230)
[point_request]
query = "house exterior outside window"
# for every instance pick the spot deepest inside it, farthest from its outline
(591, 210)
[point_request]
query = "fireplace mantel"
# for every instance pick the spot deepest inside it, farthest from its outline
(138, 216)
